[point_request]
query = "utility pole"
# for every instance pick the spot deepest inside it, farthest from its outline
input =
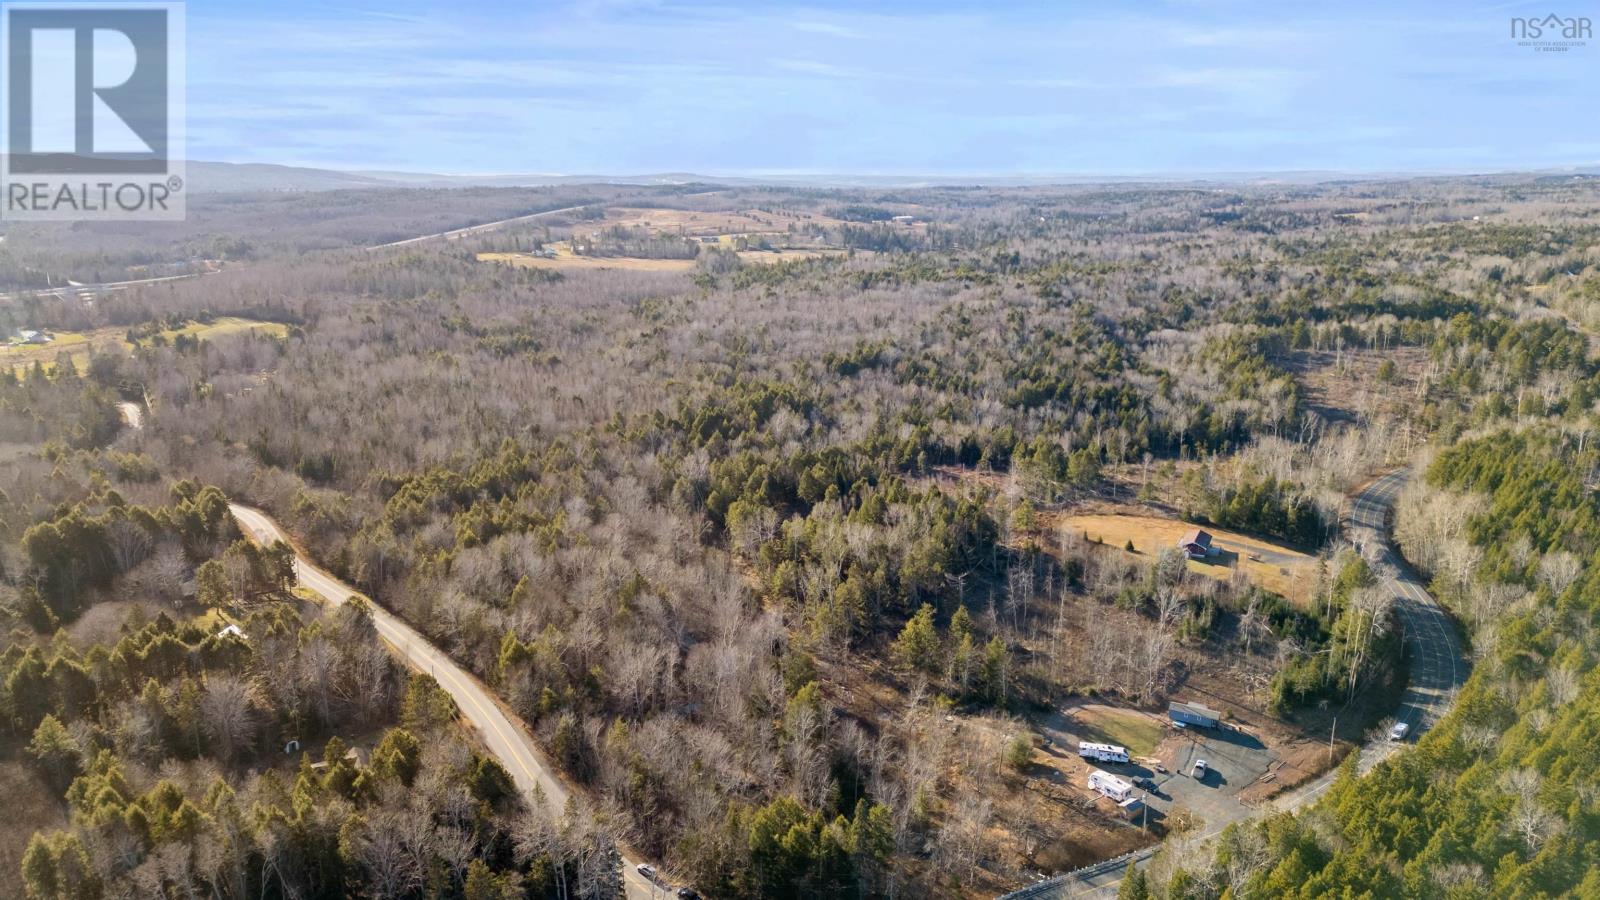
(1331, 733)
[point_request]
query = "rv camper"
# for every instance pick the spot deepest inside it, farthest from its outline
(1103, 752)
(1110, 785)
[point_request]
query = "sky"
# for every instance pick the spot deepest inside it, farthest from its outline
(890, 88)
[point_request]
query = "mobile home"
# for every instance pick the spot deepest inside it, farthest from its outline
(1187, 714)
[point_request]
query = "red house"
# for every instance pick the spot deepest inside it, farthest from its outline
(1197, 544)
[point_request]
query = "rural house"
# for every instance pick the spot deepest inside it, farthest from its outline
(1192, 714)
(1197, 544)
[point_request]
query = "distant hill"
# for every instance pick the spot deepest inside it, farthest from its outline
(215, 177)
(218, 177)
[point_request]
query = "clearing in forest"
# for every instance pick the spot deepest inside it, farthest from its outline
(80, 344)
(1138, 731)
(695, 222)
(566, 259)
(1289, 573)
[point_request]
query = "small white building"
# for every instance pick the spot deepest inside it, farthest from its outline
(1103, 752)
(1109, 785)
(234, 630)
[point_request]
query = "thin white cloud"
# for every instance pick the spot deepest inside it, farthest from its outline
(832, 29)
(644, 85)
(826, 70)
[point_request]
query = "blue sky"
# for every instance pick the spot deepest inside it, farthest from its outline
(613, 86)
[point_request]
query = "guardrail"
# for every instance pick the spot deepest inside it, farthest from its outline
(1048, 886)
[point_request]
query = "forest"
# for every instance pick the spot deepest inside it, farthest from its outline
(767, 556)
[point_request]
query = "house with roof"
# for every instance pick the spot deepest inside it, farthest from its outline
(1185, 714)
(1197, 544)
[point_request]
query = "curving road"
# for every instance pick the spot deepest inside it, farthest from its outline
(1437, 671)
(1438, 668)
(505, 737)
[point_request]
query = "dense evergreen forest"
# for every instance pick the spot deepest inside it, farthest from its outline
(769, 555)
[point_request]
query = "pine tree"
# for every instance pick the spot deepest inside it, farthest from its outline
(1134, 886)
(917, 647)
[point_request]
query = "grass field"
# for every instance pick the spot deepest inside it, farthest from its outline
(1139, 732)
(725, 226)
(566, 259)
(707, 222)
(1288, 573)
(79, 344)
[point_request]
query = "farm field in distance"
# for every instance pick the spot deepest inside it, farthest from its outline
(564, 258)
(80, 345)
(667, 239)
(707, 223)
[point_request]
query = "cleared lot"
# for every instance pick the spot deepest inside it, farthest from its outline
(1288, 573)
(1236, 759)
(566, 259)
(80, 344)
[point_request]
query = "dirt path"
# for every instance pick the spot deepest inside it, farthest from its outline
(504, 736)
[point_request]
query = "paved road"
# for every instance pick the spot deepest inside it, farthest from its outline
(458, 233)
(504, 736)
(73, 290)
(1438, 668)
(1437, 671)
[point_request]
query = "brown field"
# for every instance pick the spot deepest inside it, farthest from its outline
(1288, 573)
(694, 223)
(566, 259)
(1345, 386)
(725, 226)
(80, 344)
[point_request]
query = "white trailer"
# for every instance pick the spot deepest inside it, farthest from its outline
(1103, 752)
(1110, 785)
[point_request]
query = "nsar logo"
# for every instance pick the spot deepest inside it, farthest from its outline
(1552, 34)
